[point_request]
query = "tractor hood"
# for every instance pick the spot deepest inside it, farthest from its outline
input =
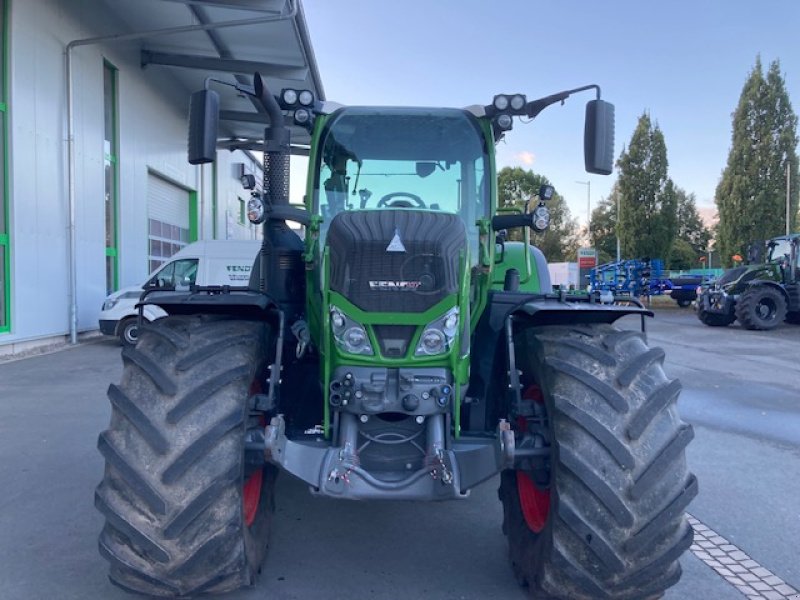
(396, 260)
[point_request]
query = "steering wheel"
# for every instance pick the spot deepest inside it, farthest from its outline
(388, 199)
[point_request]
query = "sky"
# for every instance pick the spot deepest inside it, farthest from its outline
(683, 62)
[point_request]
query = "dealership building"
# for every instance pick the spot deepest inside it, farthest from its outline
(96, 188)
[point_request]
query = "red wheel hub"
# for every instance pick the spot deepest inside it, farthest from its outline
(535, 502)
(251, 496)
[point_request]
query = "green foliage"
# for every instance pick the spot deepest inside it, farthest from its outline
(751, 195)
(515, 186)
(691, 228)
(684, 256)
(604, 227)
(648, 200)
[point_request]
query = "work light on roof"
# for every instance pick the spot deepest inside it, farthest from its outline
(517, 101)
(306, 98)
(500, 102)
(289, 96)
(505, 122)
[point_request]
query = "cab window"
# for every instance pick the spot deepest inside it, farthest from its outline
(176, 274)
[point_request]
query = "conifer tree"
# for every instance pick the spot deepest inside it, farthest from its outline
(751, 195)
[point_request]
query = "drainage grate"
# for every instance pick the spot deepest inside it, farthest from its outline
(736, 567)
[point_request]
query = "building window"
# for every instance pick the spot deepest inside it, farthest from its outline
(5, 261)
(111, 163)
(165, 240)
(242, 212)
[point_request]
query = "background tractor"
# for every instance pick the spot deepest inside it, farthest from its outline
(401, 350)
(760, 296)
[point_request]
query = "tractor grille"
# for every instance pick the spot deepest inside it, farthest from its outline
(369, 274)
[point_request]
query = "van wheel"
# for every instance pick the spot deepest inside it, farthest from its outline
(129, 331)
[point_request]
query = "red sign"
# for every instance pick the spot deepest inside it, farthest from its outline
(587, 262)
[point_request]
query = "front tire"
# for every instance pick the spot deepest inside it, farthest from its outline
(761, 307)
(714, 319)
(614, 525)
(185, 514)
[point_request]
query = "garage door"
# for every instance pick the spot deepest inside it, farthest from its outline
(168, 219)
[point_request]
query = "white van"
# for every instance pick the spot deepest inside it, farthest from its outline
(208, 262)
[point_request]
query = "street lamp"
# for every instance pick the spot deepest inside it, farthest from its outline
(588, 185)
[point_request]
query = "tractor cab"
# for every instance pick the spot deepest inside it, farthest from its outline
(433, 160)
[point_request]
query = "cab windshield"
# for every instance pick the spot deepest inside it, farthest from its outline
(778, 249)
(390, 158)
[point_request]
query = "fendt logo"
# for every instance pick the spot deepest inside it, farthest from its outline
(395, 286)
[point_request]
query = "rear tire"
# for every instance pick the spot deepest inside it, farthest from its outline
(714, 319)
(761, 307)
(619, 484)
(173, 492)
(683, 303)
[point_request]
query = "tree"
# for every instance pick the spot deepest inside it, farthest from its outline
(751, 195)
(604, 227)
(515, 186)
(648, 203)
(690, 227)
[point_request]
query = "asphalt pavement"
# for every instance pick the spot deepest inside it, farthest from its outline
(741, 392)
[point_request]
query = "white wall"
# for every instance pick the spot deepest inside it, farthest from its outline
(152, 136)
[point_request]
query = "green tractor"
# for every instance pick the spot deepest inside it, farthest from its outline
(760, 295)
(404, 349)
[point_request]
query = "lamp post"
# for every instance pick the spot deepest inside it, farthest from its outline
(588, 185)
(617, 228)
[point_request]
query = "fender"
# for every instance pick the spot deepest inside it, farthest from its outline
(769, 283)
(532, 310)
(219, 300)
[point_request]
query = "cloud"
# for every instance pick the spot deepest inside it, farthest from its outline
(525, 157)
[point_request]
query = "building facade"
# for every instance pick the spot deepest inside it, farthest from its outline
(115, 195)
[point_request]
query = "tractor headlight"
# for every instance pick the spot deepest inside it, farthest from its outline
(349, 335)
(517, 101)
(255, 210)
(541, 218)
(438, 336)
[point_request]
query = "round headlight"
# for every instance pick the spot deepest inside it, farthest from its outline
(302, 116)
(505, 122)
(501, 102)
(355, 339)
(289, 96)
(433, 341)
(306, 98)
(517, 101)
(541, 218)
(255, 210)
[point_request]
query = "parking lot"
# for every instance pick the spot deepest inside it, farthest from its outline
(741, 393)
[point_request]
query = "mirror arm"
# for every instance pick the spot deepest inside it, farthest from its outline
(534, 107)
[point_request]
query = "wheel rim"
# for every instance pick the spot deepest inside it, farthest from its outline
(766, 309)
(251, 496)
(534, 501)
(131, 333)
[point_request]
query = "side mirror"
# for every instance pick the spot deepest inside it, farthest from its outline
(598, 137)
(203, 126)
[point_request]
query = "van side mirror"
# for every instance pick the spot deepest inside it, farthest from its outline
(203, 126)
(598, 137)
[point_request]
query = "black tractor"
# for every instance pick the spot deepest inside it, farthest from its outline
(760, 296)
